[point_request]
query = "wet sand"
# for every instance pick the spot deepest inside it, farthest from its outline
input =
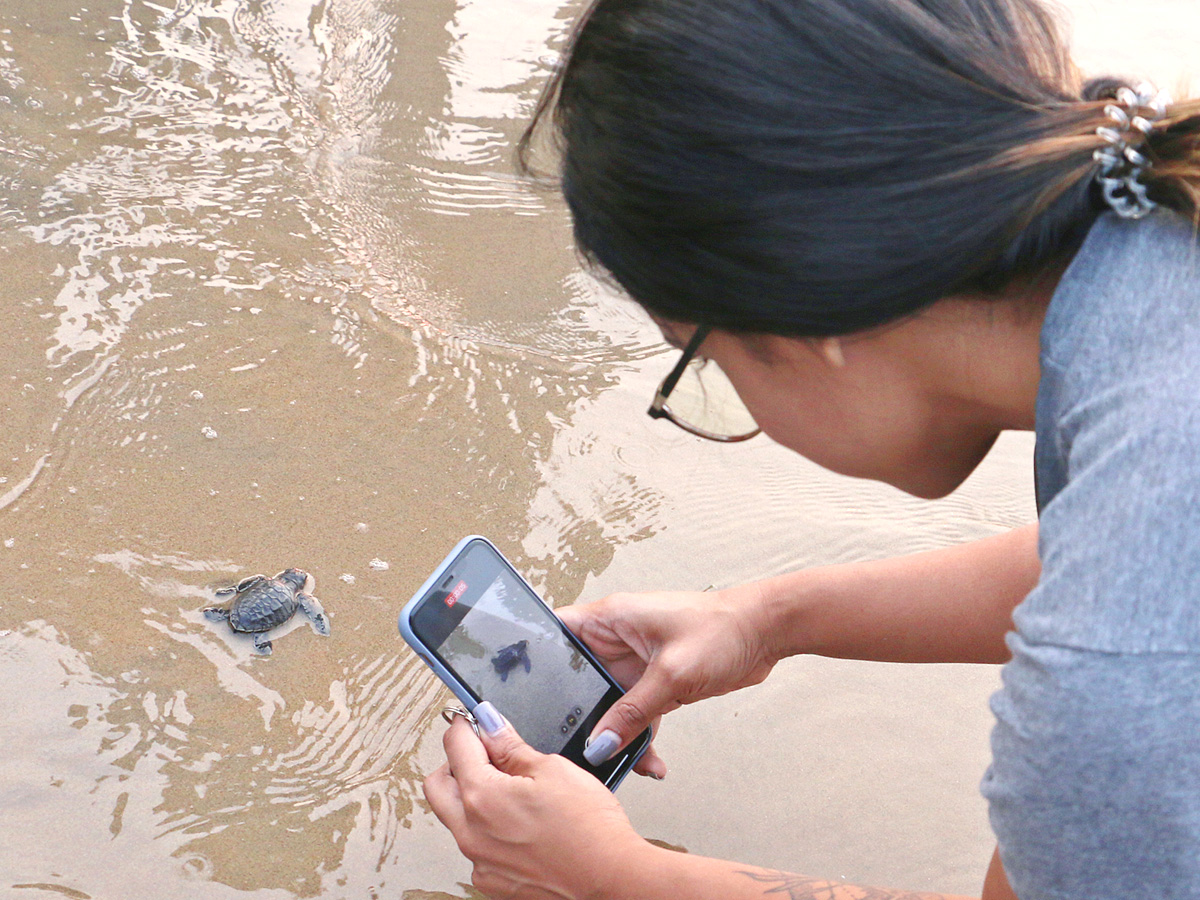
(275, 298)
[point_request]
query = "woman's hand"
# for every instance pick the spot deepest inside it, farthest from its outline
(535, 826)
(669, 649)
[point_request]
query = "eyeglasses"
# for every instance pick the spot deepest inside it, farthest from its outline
(703, 401)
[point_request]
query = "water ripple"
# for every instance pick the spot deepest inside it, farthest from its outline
(459, 193)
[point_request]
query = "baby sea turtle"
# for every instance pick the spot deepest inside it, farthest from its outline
(510, 657)
(261, 603)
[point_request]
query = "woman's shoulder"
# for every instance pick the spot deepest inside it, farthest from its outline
(1120, 343)
(1132, 290)
(1118, 452)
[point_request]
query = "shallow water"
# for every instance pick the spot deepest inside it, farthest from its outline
(275, 298)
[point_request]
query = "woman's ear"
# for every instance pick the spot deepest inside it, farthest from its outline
(831, 349)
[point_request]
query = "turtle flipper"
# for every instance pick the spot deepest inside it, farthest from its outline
(525, 659)
(242, 585)
(262, 645)
(311, 607)
(216, 613)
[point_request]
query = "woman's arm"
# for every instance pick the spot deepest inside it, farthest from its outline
(537, 827)
(951, 605)
(670, 649)
(658, 874)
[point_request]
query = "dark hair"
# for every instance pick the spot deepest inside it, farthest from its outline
(818, 167)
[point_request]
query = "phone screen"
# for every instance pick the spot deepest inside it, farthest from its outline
(505, 645)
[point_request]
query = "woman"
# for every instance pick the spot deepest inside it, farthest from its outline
(900, 227)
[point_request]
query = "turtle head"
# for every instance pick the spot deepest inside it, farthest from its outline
(297, 578)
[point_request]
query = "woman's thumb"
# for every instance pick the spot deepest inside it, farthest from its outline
(505, 748)
(629, 716)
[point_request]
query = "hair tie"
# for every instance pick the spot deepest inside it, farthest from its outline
(1122, 164)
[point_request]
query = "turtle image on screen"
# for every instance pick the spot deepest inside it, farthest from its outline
(510, 657)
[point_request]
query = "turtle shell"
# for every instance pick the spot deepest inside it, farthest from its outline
(508, 658)
(511, 655)
(262, 606)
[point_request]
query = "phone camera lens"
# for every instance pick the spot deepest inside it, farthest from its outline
(579, 710)
(565, 729)
(571, 720)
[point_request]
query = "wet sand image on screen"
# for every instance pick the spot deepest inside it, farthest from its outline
(560, 679)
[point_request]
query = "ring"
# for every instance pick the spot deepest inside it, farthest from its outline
(452, 712)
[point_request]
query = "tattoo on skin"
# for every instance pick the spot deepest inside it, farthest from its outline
(798, 887)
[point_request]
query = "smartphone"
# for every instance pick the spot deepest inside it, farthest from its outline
(489, 636)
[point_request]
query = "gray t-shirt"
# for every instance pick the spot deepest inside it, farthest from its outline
(1094, 789)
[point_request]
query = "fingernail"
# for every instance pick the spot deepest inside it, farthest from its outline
(656, 776)
(601, 747)
(489, 717)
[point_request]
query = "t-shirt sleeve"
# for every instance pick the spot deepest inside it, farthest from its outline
(1120, 542)
(1094, 789)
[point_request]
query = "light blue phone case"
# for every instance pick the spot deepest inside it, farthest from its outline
(460, 690)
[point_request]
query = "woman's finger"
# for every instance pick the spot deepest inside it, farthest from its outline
(507, 750)
(441, 790)
(465, 754)
(651, 696)
(651, 764)
(593, 623)
(572, 617)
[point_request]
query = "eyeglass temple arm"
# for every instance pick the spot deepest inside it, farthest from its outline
(672, 379)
